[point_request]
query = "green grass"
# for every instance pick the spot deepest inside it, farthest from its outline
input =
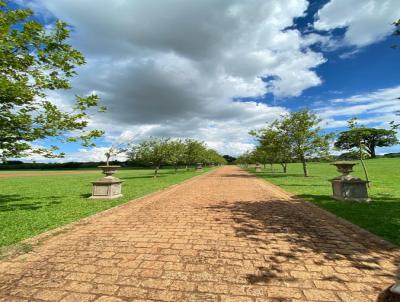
(33, 204)
(381, 216)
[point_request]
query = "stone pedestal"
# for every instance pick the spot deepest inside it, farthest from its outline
(391, 294)
(258, 167)
(199, 167)
(108, 187)
(347, 187)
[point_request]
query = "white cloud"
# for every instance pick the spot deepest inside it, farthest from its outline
(96, 154)
(365, 21)
(175, 67)
(376, 108)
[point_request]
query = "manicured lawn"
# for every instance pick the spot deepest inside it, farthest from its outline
(33, 204)
(381, 216)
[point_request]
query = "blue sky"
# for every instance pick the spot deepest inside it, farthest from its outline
(213, 70)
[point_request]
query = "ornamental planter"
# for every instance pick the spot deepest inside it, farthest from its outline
(258, 167)
(347, 187)
(108, 187)
(199, 167)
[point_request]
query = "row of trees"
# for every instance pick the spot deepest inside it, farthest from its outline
(294, 136)
(297, 137)
(158, 152)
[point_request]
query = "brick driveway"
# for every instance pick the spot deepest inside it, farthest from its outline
(225, 236)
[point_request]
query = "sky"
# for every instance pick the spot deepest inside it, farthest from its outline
(214, 69)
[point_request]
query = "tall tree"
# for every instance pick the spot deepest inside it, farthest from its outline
(369, 138)
(245, 159)
(176, 153)
(33, 60)
(155, 152)
(304, 136)
(275, 144)
(194, 152)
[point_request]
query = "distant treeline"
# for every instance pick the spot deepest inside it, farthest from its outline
(20, 165)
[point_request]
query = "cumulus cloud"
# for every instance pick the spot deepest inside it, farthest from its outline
(365, 21)
(176, 67)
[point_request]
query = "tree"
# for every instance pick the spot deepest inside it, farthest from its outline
(176, 153)
(275, 144)
(261, 156)
(114, 151)
(369, 138)
(245, 159)
(155, 152)
(33, 60)
(194, 152)
(396, 31)
(304, 136)
(229, 159)
(211, 157)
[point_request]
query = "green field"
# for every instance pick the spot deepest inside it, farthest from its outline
(381, 216)
(33, 204)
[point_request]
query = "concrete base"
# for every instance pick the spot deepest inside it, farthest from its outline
(108, 187)
(350, 189)
(105, 197)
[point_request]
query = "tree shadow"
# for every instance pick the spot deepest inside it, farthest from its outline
(392, 200)
(139, 177)
(13, 202)
(160, 175)
(303, 185)
(288, 230)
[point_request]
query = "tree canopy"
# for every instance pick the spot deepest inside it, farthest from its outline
(33, 61)
(369, 138)
(159, 152)
(294, 136)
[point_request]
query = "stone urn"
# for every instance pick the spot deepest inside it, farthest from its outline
(108, 187)
(347, 187)
(258, 167)
(199, 167)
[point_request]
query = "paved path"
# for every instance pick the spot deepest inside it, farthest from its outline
(226, 236)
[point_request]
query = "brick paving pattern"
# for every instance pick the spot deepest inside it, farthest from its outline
(225, 236)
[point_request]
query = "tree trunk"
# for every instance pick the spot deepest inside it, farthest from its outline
(373, 154)
(156, 171)
(264, 165)
(305, 170)
(176, 168)
(363, 164)
(284, 166)
(187, 167)
(272, 167)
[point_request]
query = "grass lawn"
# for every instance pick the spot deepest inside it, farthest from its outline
(33, 204)
(381, 216)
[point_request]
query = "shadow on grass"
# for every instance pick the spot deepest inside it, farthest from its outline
(13, 202)
(147, 176)
(380, 199)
